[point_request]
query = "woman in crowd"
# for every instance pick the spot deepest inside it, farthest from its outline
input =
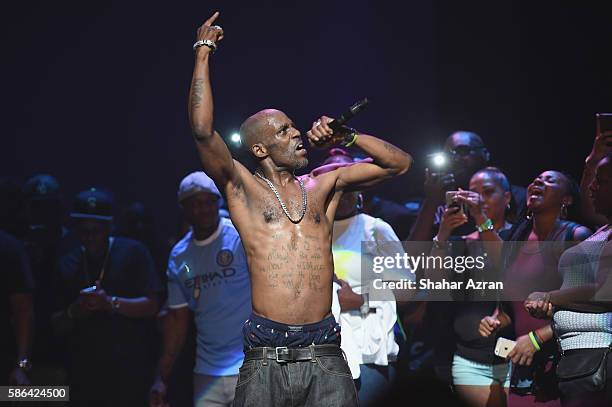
(479, 377)
(582, 307)
(532, 266)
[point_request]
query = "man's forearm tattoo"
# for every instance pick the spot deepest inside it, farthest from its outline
(391, 148)
(196, 93)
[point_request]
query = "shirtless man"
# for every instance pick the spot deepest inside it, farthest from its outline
(292, 352)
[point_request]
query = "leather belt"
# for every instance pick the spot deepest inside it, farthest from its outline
(282, 354)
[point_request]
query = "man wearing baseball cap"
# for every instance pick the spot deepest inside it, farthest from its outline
(207, 275)
(111, 296)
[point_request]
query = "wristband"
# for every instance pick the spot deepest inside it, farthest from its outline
(538, 339)
(534, 341)
(436, 243)
(486, 226)
(350, 138)
(25, 364)
(210, 44)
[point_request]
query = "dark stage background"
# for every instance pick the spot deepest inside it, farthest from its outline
(95, 92)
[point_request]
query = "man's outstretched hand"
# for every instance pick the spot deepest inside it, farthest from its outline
(210, 32)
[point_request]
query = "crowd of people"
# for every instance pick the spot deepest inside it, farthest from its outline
(270, 307)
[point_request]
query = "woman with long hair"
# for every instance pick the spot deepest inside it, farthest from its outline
(531, 266)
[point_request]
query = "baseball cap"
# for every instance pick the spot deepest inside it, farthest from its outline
(196, 182)
(93, 204)
(42, 186)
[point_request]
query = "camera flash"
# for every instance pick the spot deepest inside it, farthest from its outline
(439, 160)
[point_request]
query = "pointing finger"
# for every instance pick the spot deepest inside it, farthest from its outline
(212, 19)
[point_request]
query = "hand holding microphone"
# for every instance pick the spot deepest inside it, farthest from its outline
(326, 131)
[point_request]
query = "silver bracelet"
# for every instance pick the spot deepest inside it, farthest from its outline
(209, 43)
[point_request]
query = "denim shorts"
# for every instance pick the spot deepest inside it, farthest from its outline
(259, 332)
(469, 373)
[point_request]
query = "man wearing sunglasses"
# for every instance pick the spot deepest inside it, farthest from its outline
(467, 154)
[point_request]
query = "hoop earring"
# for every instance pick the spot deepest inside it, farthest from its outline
(563, 211)
(359, 202)
(529, 215)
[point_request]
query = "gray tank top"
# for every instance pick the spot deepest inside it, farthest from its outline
(578, 266)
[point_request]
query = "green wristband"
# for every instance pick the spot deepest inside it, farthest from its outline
(352, 141)
(487, 225)
(534, 341)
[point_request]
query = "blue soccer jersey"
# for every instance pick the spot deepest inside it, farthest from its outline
(211, 278)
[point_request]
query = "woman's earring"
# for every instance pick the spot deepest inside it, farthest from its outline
(359, 202)
(529, 215)
(563, 211)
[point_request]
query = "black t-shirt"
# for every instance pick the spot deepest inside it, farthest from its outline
(467, 315)
(15, 278)
(104, 346)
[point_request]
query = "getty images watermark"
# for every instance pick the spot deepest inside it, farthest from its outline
(430, 264)
(482, 271)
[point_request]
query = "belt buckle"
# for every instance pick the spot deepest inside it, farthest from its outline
(277, 350)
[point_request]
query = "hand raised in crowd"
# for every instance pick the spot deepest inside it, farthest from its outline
(321, 135)
(157, 395)
(601, 146)
(473, 202)
(95, 301)
(538, 305)
(348, 299)
(523, 351)
(437, 184)
(209, 32)
(488, 325)
(451, 219)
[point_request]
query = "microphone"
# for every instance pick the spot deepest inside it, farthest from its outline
(337, 124)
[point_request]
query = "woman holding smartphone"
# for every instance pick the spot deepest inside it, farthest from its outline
(479, 377)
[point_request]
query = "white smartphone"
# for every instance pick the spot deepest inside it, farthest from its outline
(503, 347)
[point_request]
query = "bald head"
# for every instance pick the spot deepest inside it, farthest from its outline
(271, 134)
(463, 138)
(260, 126)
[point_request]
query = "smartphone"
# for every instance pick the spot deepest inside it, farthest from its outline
(91, 289)
(451, 203)
(604, 121)
(503, 347)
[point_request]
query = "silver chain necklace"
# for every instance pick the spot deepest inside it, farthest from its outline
(282, 204)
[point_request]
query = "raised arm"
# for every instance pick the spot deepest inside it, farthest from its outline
(601, 146)
(214, 154)
(388, 161)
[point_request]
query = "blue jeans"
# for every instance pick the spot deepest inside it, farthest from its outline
(323, 381)
(374, 383)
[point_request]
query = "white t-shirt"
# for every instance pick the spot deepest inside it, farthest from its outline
(211, 278)
(370, 339)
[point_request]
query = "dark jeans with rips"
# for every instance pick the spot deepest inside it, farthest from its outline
(324, 381)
